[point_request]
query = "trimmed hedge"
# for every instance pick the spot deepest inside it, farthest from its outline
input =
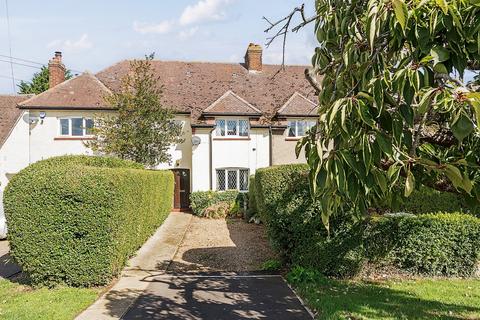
(431, 244)
(76, 220)
(252, 202)
(203, 202)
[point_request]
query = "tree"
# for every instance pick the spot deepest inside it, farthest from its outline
(143, 129)
(39, 82)
(394, 111)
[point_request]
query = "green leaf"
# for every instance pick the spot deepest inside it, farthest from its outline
(409, 184)
(455, 176)
(425, 101)
(401, 12)
(462, 127)
(439, 54)
(443, 5)
(365, 114)
(440, 68)
(476, 108)
(385, 143)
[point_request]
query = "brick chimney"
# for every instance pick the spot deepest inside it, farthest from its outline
(253, 57)
(56, 70)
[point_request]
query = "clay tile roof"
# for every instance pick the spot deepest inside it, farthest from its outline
(194, 86)
(83, 92)
(298, 105)
(230, 103)
(9, 114)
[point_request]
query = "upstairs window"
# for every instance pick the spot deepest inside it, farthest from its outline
(232, 128)
(75, 127)
(299, 128)
(232, 179)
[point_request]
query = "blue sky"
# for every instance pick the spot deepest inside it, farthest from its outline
(94, 34)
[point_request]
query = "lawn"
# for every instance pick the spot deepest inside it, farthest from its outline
(407, 299)
(19, 301)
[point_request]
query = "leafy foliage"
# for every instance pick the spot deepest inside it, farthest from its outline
(143, 130)
(76, 220)
(214, 204)
(389, 103)
(446, 244)
(40, 82)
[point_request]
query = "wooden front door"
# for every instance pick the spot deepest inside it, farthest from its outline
(181, 196)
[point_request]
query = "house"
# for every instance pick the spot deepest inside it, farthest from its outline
(13, 139)
(236, 117)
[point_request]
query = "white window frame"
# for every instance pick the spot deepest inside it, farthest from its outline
(237, 170)
(310, 124)
(225, 128)
(70, 127)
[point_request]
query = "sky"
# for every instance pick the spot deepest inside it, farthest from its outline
(95, 34)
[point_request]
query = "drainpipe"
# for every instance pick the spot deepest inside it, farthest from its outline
(210, 159)
(270, 146)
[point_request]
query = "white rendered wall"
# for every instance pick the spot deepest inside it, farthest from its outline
(201, 161)
(181, 153)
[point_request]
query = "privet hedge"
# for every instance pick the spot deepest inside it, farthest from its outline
(76, 220)
(431, 244)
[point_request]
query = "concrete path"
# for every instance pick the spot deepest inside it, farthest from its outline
(7, 267)
(156, 287)
(151, 260)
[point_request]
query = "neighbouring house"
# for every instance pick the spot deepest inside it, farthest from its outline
(236, 118)
(13, 141)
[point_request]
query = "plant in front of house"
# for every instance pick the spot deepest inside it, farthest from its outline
(217, 204)
(393, 102)
(143, 130)
(75, 220)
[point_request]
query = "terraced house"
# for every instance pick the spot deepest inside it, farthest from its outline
(236, 118)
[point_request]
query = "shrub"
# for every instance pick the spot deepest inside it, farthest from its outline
(429, 244)
(432, 244)
(252, 202)
(76, 220)
(206, 203)
(427, 200)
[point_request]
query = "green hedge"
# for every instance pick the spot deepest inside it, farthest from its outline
(200, 201)
(76, 220)
(432, 244)
(252, 202)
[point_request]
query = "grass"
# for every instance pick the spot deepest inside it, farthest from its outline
(18, 301)
(406, 299)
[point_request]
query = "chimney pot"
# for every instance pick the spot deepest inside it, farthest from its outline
(56, 70)
(253, 57)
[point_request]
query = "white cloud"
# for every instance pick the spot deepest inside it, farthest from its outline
(160, 28)
(188, 33)
(72, 45)
(203, 11)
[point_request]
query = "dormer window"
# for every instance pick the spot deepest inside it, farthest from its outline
(299, 128)
(232, 128)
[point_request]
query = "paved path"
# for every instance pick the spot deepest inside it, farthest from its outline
(155, 287)
(7, 267)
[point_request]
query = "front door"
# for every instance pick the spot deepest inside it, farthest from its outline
(181, 197)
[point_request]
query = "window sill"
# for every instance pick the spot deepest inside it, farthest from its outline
(73, 138)
(232, 139)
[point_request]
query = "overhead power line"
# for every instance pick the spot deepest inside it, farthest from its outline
(10, 45)
(24, 60)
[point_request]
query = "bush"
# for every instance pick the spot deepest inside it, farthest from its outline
(252, 202)
(76, 220)
(216, 204)
(427, 200)
(429, 244)
(432, 244)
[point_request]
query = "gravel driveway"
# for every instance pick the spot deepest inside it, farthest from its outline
(222, 245)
